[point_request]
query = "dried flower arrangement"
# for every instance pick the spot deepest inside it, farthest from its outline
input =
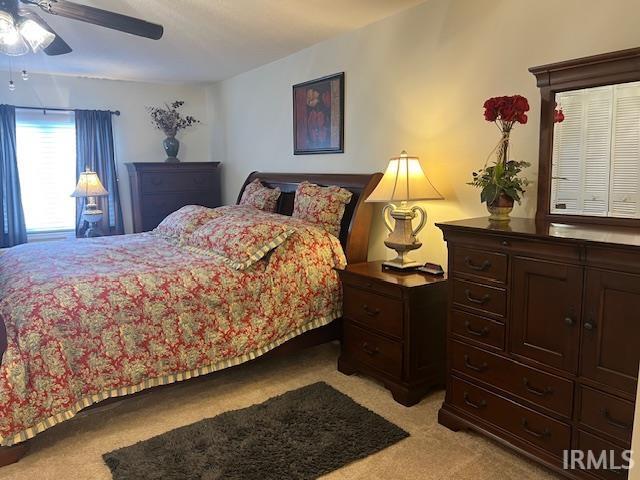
(170, 120)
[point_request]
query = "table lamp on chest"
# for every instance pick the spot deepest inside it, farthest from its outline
(404, 181)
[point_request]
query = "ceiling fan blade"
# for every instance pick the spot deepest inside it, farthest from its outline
(58, 46)
(103, 18)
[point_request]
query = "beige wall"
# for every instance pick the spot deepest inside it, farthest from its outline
(135, 138)
(417, 81)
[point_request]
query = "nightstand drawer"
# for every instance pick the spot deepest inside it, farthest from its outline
(482, 298)
(480, 263)
(370, 284)
(607, 414)
(477, 329)
(373, 311)
(535, 386)
(373, 350)
(538, 429)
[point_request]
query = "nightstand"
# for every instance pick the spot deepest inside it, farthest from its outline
(394, 328)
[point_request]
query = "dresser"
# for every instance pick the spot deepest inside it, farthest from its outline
(158, 189)
(394, 327)
(543, 336)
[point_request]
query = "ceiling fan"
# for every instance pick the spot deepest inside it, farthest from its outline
(23, 30)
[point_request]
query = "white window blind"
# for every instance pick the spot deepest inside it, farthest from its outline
(596, 152)
(46, 148)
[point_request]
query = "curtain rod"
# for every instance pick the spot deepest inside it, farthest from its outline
(44, 109)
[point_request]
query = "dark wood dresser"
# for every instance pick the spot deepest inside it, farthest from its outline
(543, 336)
(394, 328)
(158, 189)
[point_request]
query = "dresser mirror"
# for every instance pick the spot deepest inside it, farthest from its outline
(590, 140)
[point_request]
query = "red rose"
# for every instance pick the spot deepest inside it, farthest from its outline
(558, 116)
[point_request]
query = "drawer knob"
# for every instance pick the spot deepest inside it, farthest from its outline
(589, 325)
(543, 434)
(477, 406)
(476, 368)
(569, 321)
(536, 391)
(483, 332)
(372, 312)
(615, 423)
(478, 268)
(156, 181)
(368, 350)
(505, 243)
(479, 301)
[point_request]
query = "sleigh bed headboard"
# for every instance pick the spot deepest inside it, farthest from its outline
(356, 222)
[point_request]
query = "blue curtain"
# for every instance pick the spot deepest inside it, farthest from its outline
(94, 149)
(13, 231)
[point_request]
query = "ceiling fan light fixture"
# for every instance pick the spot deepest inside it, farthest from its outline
(8, 33)
(36, 36)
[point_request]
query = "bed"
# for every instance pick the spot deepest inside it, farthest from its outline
(87, 321)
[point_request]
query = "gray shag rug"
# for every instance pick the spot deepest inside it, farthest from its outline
(301, 434)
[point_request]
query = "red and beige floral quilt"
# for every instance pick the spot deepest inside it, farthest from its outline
(98, 318)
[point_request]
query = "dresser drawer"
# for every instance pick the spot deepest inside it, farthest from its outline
(481, 298)
(537, 387)
(368, 284)
(374, 311)
(590, 443)
(606, 414)
(526, 424)
(178, 181)
(372, 350)
(155, 207)
(480, 263)
(477, 329)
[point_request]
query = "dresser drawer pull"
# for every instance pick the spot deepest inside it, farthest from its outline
(505, 243)
(199, 180)
(481, 404)
(156, 181)
(533, 433)
(481, 368)
(613, 422)
(483, 332)
(372, 312)
(478, 268)
(536, 391)
(479, 301)
(370, 351)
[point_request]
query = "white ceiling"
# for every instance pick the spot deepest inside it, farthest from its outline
(204, 40)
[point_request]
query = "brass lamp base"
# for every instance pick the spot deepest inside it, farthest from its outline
(402, 238)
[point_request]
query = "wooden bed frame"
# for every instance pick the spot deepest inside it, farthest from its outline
(354, 237)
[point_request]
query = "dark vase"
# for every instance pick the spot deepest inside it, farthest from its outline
(171, 146)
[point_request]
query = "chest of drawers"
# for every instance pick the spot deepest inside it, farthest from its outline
(543, 337)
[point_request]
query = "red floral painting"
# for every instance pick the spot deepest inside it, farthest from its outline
(318, 116)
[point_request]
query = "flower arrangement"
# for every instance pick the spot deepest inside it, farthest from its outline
(170, 120)
(500, 182)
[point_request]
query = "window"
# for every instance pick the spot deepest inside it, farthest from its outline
(596, 152)
(46, 148)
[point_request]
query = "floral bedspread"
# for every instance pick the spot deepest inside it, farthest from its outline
(96, 318)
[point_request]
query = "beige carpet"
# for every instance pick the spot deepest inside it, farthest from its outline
(73, 450)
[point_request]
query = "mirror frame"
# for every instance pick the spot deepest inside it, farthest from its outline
(606, 69)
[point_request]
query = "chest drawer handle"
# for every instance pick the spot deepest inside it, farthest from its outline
(156, 181)
(478, 301)
(505, 243)
(613, 422)
(483, 332)
(543, 434)
(536, 391)
(478, 268)
(476, 368)
(477, 406)
(372, 312)
(368, 350)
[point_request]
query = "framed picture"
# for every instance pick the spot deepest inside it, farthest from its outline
(318, 116)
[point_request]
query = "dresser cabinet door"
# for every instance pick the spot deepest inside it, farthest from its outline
(611, 329)
(545, 312)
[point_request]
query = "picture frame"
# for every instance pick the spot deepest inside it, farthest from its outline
(318, 115)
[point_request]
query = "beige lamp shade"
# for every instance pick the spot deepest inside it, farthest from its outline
(89, 185)
(403, 181)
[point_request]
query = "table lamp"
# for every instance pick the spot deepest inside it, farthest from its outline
(404, 181)
(89, 187)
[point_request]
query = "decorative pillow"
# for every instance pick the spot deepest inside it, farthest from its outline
(183, 222)
(239, 241)
(259, 196)
(323, 206)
